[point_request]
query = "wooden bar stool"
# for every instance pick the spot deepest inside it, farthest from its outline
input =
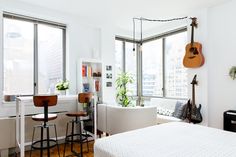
(44, 101)
(77, 137)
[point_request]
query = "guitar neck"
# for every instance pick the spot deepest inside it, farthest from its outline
(193, 95)
(192, 34)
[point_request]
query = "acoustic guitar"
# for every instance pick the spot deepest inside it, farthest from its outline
(193, 57)
(194, 114)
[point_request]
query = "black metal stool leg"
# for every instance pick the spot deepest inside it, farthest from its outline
(66, 139)
(48, 142)
(72, 137)
(41, 143)
(57, 140)
(81, 140)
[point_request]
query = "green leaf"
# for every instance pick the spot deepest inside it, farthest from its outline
(122, 81)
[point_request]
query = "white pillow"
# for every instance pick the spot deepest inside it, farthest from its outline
(165, 112)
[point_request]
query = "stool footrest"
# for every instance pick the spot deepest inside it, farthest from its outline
(37, 144)
(69, 138)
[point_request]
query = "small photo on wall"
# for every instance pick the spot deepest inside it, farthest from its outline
(109, 76)
(108, 67)
(109, 84)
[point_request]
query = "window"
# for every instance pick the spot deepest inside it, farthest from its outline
(119, 56)
(126, 61)
(131, 66)
(175, 73)
(50, 57)
(161, 70)
(163, 74)
(34, 55)
(152, 69)
(18, 57)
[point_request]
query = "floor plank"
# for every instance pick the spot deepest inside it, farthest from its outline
(54, 153)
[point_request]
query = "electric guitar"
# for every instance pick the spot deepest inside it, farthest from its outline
(193, 57)
(195, 112)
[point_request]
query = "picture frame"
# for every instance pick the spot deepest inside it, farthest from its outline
(109, 68)
(109, 84)
(109, 76)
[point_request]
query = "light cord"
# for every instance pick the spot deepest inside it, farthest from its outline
(141, 19)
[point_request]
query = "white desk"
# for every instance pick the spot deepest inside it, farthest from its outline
(21, 104)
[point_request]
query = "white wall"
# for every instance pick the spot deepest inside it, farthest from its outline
(108, 58)
(222, 55)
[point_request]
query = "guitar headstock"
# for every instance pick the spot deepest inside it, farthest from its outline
(194, 22)
(194, 81)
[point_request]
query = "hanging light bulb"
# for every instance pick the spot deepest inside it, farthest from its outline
(141, 35)
(141, 47)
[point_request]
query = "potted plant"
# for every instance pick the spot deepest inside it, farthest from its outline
(121, 86)
(62, 86)
(232, 72)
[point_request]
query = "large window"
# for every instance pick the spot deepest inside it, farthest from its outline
(159, 69)
(131, 66)
(152, 69)
(175, 73)
(163, 74)
(34, 55)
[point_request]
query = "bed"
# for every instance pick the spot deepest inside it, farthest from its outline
(175, 139)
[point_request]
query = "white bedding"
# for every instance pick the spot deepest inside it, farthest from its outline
(174, 139)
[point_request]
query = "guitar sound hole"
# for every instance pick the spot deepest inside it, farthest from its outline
(191, 57)
(193, 50)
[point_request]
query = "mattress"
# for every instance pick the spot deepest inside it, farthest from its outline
(175, 139)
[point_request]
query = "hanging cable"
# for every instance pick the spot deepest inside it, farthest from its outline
(141, 19)
(161, 20)
(141, 31)
(133, 34)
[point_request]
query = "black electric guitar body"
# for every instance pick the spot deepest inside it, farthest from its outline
(195, 115)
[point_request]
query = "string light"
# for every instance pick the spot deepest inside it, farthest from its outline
(141, 19)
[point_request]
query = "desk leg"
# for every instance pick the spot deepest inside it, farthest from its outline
(22, 130)
(17, 122)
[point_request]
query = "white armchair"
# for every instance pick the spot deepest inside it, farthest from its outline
(116, 119)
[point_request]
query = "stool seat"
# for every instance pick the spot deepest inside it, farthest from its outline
(77, 114)
(40, 117)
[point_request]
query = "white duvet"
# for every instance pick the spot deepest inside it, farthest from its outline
(169, 140)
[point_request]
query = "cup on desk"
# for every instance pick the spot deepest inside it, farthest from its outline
(8, 98)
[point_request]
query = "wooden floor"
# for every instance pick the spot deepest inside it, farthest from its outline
(54, 152)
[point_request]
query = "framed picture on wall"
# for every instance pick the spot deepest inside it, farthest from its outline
(109, 76)
(108, 67)
(109, 84)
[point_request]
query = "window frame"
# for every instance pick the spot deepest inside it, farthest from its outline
(139, 61)
(36, 22)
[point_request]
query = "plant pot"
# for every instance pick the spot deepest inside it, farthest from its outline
(62, 92)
